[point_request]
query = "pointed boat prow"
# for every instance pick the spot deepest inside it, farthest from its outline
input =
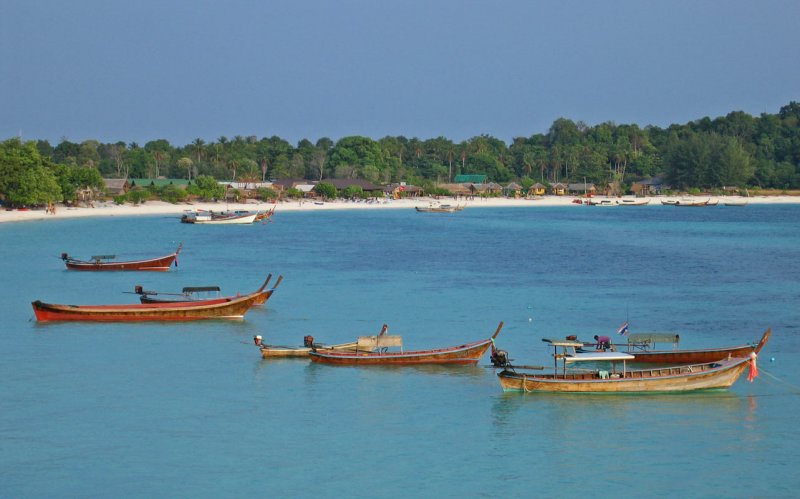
(264, 286)
(764, 339)
(499, 327)
(280, 278)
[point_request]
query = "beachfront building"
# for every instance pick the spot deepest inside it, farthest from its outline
(648, 187)
(513, 190)
(237, 190)
(116, 186)
(582, 188)
(457, 190)
(558, 189)
(490, 189)
(537, 189)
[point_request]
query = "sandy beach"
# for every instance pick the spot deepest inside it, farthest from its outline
(109, 209)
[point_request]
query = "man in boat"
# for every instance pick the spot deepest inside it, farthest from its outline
(603, 343)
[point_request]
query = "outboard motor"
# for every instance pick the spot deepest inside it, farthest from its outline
(138, 289)
(308, 341)
(64, 256)
(499, 358)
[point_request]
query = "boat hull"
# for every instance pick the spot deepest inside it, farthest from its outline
(699, 356)
(717, 375)
(470, 353)
(230, 308)
(690, 356)
(160, 264)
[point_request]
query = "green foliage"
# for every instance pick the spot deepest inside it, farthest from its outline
(736, 149)
(172, 194)
(121, 199)
(24, 180)
(438, 191)
(708, 160)
(266, 194)
(35, 186)
(293, 193)
(206, 188)
(353, 191)
(326, 190)
(138, 195)
(72, 178)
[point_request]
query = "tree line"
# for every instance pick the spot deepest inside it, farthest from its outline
(735, 150)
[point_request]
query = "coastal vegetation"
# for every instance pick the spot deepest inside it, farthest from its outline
(740, 150)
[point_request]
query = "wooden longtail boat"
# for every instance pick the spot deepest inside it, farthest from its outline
(469, 353)
(195, 294)
(719, 374)
(362, 344)
(104, 262)
(229, 308)
(639, 346)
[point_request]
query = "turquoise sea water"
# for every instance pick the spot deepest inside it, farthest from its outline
(191, 410)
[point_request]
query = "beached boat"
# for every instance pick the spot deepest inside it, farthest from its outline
(107, 262)
(439, 208)
(469, 353)
(642, 347)
(197, 294)
(222, 218)
(691, 202)
(227, 308)
(718, 374)
(602, 202)
(634, 202)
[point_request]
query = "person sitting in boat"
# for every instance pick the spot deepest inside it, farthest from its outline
(603, 343)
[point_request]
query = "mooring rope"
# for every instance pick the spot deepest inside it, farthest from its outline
(779, 380)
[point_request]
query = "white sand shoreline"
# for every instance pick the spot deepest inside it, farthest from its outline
(108, 209)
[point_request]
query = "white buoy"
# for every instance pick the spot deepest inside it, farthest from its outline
(530, 319)
(772, 359)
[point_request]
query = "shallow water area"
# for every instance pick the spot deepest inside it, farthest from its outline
(191, 409)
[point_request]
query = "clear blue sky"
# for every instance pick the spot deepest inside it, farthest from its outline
(143, 70)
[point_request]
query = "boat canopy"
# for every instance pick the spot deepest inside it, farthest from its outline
(370, 343)
(564, 343)
(598, 357)
(653, 338)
